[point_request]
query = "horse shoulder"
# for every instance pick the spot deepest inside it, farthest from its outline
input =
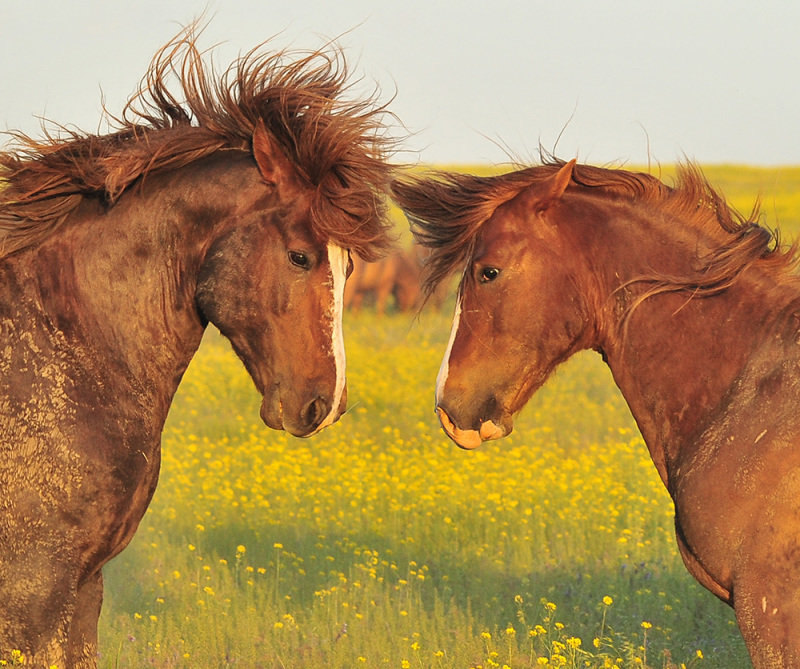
(741, 479)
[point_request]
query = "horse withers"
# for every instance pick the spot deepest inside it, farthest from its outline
(696, 311)
(234, 201)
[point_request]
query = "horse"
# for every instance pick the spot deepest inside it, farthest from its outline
(395, 275)
(696, 310)
(235, 199)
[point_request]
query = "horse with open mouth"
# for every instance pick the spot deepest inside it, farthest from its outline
(696, 310)
(234, 200)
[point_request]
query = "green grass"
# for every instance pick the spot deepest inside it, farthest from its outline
(378, 543)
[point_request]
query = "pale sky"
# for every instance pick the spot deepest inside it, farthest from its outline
(717, 81)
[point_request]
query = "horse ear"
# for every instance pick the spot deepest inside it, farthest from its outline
(269, 157)
(550, 191)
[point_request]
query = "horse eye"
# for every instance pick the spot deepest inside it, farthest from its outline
(489, 274)
(299, 259)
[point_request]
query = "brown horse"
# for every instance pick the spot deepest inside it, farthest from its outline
(696, 311)
(234, 201)
(397, 275)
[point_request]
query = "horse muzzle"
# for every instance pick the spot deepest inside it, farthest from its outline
(470, 438)
(301, 419)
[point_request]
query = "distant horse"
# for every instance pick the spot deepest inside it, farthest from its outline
(696, 310)
(396, 275)
(235, 201)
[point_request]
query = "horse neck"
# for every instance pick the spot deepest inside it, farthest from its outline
(675, 356)
(119, 284)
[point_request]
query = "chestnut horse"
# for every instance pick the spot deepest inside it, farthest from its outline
(235, 200)
(695, 309)
(398, 274)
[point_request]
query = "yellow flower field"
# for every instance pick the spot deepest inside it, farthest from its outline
(379, 543)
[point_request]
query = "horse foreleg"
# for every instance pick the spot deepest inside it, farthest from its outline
(770, 625)
(382, 294)
(82, 637)
(73, 645)
(48, 621)
(766, 592)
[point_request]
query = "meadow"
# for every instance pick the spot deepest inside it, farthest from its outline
(379, 543)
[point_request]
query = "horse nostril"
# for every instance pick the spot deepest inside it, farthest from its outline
(315, 412)
(489, 410)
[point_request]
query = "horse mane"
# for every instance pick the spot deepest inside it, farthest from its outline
(339, 146)
(447, 209)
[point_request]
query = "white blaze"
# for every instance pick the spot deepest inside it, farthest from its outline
(441, 378)
(337, 259)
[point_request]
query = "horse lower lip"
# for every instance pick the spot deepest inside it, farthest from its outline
(467, 439)
(491, 431)
(299, 432)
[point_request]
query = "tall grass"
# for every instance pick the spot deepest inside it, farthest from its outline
(378, 543)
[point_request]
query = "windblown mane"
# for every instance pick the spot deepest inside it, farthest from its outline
(447, 209)
(339, 146)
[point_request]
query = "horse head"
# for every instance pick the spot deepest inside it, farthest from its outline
(520, 310)
(275, 289)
